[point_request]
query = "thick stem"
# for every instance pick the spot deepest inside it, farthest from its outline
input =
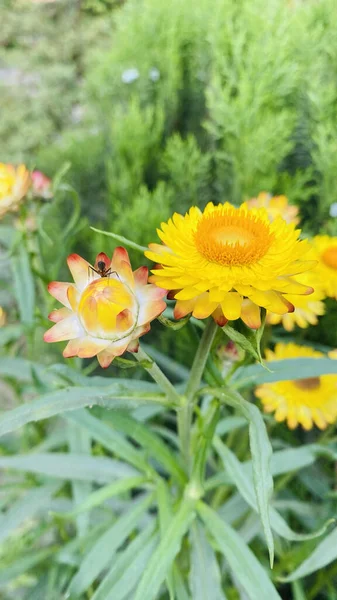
(186, 410)
(159, 377)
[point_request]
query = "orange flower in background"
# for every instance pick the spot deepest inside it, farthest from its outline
(106, 310)
(276, 206)
(307, 402)
(14, 185)
(326, 253)
(228, 262)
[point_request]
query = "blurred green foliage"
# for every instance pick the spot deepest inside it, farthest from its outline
(179, 102)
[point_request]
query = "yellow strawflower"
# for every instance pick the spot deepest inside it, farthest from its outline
(2, 317)
(308, 308)
(326, 253)
(106, 310)
(14, 184)
(276, 206)
(228, 262)
(307, 402)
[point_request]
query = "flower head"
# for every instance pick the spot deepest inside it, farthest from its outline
(14, 184)
(308, 308)
(41, 185)
(307, 402)
(228, 262)
(276, 206)
(106, 310)
(326, 253)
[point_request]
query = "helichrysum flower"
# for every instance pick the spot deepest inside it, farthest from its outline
(326, 253)
(276, 206)
(306, 402)
(14, 184)
(106, 310)
(228, 262)
(308, 308)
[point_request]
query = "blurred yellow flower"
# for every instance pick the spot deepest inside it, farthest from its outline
(106, 310)
(326, 252)
(228, 262)
(307, 402)
(308, 308)
(14, 184)
(276, 206)
(2, 317)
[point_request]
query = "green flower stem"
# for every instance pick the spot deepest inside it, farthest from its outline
(159, 377)
(186, 406)
(200, 359)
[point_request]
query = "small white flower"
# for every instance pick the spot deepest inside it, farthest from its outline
(130, 75)
(154, 74)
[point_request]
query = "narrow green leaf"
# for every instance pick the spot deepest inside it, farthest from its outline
(10, 333)
(205, 577)
(124, 559)
(114, 396)
(324, 554)
(99, 496)
(108, 437)
(70, 466)
(284, 370)
(25, 508)
(165, 514)
(80, 442)
(243, 563)
(121, 239)
(149, 440)
(24, 564)
(132, 573)
(242, 341)
(292, 459)
(229, 423)
(24, 285)
(245, 487)
(104, 549)
(261, 451)
(242, 480)
(180, 590)
(163, 557)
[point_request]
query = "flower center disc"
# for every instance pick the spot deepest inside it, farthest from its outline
(232, 237)
(330, 257)
(309, 383)
(106, 308)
